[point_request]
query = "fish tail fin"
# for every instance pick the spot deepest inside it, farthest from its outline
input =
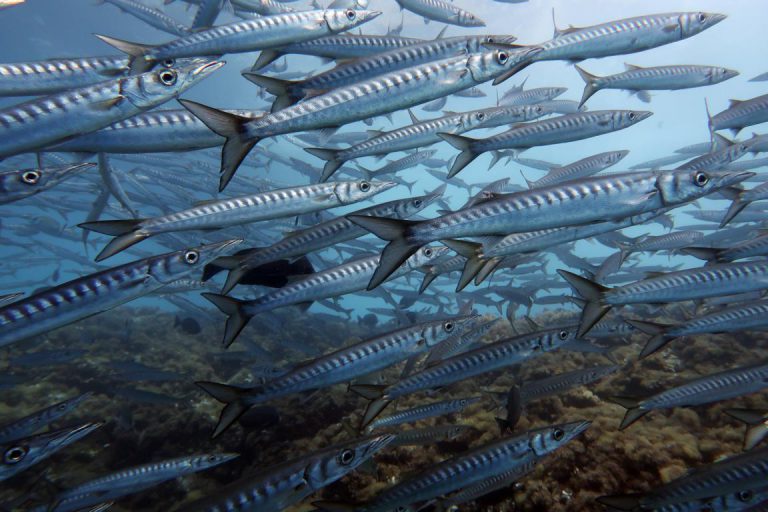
(530, 183)
(487, 269)
(367, 391)
(590, 84)
(736, 206)
(372, 411)
(703, 253)
(626, 502)
(633, 413)
(658, 332)
(126, 234)
(592, 293)
(757, 429)
(138, 62)
(464, 158)
(710, 124)
(233, 278)
(331, 156)
(277, 87)
(474, 263)
(503, 425)
(229, 126)
(266, 57)
(231, 397)
(397, 250)
(237, 318)
(428, 278)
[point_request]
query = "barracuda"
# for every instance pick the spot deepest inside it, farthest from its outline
(340, 46)
(18, 184)
(425, 133)
(558, 130)
(52, 119)
(583, 168)
(151, 132)
(318, 237)
(340, 280)
(698, 283)
(669, 242)
(363, 100)
(288, 93)
(757, 246)
(239, 210)
(342, 365)
(277, 487)
(484, 359)
(469, 468)
(30, 424)
(244, 36)
(618, 37)
(742, 199)
(439, 10)
(600, 198)
(101, 291)
(638, 80)
(424, 411)
(445, 267)
(740, 114)
(752, 316)
(153, 17)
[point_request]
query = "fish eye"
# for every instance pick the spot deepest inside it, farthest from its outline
(563, 334)
(30, 177)
(745, 496)
(502, 57)
(365, 186)
(489, 40)
(428, 252)
(62, 407)
(346, 457)
(417, 203)
(702, 17)
(191, 257)
(539, 110)
(169, 63)
(558, 434)
(631, 116)
(700, 179)
(448, 326)
(14, 454)
(167, 77)
(480, 116)
(350, 14)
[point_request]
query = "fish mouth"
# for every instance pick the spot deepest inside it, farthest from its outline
(369, 15)
(715, 18)
(381, 186)
(731, 178)
(208, 67)
(379, 442)
(641, 115)
(576, 428)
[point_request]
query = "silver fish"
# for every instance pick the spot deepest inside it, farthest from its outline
(32, 423)
(22, 183)
(438, 10)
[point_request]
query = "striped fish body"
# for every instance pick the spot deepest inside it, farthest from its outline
(264, 206)
(740, 114)
(385, 93)
(349, 46)
(474, 466)
(36, 421)
(487, 358)
(333, 282)
(717, 159)
(393, 60)
(457, 344)
(740, 472)
(278, 487)
(360, 359)
(151, 132)
(561, 383)
(712, 388)
(664, 78)
(747, 249)
(580, 169)
(558, 130)
(261, 33)
(425, 133)
(599, 198)
(492, 484)
(400, 164)
(438, 10)
(670, 241)
(424, 411)
(48, 120)
(101, 291)
(739, 317)
(427, 435)
(57, 75)
(698, 283)
(532, 96)
(263, 7)
(153, 17)
(627, 35)
(331, 232)
(21, 183)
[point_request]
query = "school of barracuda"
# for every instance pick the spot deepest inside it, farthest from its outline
(100, 142)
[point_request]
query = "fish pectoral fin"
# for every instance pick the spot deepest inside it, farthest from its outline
(322, 199)
(671, 27)
(455, 77)
(108, 104)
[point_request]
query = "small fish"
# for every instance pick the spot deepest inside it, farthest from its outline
(438, 10)
(23, 183)
(32, 423)
(187, 325)
(424, 411)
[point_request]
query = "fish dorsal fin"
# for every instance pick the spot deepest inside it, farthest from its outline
(205, 202)
(449, 113)
(652, 274)
(734, 103)
(441, 33)
(557, 32)
(631, 67)
(414, 119)
(722, 141)
(374, 133)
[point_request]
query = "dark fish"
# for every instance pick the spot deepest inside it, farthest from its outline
(187, 325)
(274, 275)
